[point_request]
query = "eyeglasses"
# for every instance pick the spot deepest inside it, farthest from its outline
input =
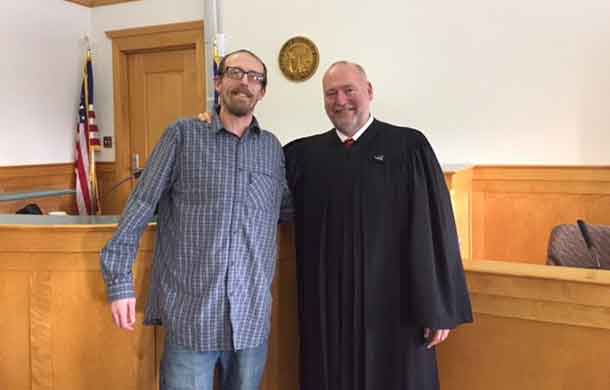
(236, 73)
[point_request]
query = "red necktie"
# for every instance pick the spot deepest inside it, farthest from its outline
(348, 143)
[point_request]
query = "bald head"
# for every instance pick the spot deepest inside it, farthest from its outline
(347, 96)
(356, 66)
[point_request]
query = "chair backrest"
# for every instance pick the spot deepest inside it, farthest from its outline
(567, 246)
(31, 208)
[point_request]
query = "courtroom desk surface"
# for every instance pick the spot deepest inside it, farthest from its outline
(58, 220)
(455, 168)
(537, 271)
(42, 220)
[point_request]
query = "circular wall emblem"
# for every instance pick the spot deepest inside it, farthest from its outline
(299, 59)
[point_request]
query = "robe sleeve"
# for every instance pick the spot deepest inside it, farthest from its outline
(434, 284)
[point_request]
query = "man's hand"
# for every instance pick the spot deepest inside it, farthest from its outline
(124, 313)
(435, 336)
(205, 117)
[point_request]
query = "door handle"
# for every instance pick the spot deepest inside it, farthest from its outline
(135, 164)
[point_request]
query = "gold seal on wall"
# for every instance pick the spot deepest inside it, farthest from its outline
(299, 59)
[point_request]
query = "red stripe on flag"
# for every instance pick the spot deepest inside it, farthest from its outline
(82, 177)
(87, 143)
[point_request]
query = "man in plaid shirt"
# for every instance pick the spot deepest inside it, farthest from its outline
(219, 187)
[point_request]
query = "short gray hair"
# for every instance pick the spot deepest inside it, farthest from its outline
(344, 62)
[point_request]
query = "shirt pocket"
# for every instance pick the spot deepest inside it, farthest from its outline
(263, 190)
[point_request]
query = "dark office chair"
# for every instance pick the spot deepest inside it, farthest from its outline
(580, 245)
(31, 209)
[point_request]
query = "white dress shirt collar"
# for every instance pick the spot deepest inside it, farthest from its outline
(360, 131)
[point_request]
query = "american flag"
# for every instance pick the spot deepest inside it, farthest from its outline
(87, 143)
(216, 70)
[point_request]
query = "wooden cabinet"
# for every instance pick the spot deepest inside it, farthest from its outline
(536, 327)
(56, 329)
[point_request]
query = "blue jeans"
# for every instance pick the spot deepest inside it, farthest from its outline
(183, 369)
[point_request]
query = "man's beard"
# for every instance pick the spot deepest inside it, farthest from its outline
(239, 109)
(345, 125)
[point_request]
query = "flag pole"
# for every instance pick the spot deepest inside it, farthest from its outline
(209, 27)
(220, 34)
(96, 205)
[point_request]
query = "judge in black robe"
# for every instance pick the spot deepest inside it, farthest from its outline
(377, 249)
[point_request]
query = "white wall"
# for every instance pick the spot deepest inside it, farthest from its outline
(42, 55)
(502, 82)
(494, 82)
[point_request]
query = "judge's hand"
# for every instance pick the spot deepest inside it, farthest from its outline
(435, 336)
(205, 117)
(124, 313)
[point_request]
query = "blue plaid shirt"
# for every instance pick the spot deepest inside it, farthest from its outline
(219, 201)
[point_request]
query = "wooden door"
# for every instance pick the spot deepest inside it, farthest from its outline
(158, 74)
(162, 88)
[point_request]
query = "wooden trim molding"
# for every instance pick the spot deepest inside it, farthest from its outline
(542, 179)
(98, 3)
(46, 170)
(11, 172)
(542, 172)
(164, 28)
(558, 295)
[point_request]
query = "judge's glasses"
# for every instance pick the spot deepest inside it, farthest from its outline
(236, 73)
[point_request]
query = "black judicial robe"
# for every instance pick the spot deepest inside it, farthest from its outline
(377, 259)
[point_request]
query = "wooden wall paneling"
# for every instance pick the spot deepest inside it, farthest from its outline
(58, 177)
(112, 194)
(478, 223)
(282, 370)
(71, 325)
(536, 327)
(551, 325)
(15, 371)
(459, 184)
(30, 178)
(41, 346)
(59, 316)
(284, 373)
(503, 353)
(515, 208)
(86, 337)
(36, 177)
(83, 238)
